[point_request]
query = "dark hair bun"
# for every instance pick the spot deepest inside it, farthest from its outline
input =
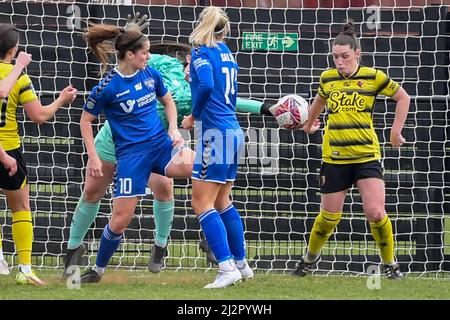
(349, 27)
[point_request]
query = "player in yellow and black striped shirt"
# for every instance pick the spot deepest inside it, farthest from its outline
(9, 163)
(16, 89)
(351, 151)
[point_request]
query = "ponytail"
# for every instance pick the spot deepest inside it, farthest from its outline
(212, 27)
(104, 40)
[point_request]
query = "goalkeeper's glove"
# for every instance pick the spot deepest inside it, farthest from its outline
(141, 22)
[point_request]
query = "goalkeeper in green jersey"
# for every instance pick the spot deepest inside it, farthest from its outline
(171, 61)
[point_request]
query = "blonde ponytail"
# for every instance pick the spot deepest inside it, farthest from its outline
(213, 25)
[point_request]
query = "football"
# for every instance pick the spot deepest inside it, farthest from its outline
(291, 111)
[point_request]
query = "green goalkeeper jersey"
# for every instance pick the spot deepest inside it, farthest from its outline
(172, 71)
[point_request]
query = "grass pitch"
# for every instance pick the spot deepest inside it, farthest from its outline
(185, 285)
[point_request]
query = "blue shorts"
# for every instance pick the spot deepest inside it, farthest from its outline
(217, 158)
(132, 172)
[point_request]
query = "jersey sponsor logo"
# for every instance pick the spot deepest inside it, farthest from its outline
(138, 86)
(150, 84)
(130, 107)
(360, 84)
(148, 98)
(344, 102)
(122, 93)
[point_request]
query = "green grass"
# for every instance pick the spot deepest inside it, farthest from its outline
(185, 285)
(187, 255)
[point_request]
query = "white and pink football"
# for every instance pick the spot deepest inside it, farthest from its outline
(291, 111)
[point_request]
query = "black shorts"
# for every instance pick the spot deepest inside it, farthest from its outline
(339, 177)
(16, 181)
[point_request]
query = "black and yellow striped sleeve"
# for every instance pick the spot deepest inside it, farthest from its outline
(386, 86)
(26, 90)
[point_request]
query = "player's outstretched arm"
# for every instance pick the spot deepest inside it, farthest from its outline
(254, 106)
(39, 114)
(250, 106)
(258, 107)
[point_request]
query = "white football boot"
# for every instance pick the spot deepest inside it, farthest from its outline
(224, 279)
(4, 269)
(246, 272)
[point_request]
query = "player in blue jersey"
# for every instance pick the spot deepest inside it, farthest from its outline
(213, 75)
(172, 61)
(128, 96)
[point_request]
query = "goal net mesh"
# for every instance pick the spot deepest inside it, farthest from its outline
(280, 50)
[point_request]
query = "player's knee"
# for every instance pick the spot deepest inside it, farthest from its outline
(222, 203)
(92, 196)
(375, 214)
(164, 190)
(199, 205)
(196, 206)
(120, 220)
(118, 226)
(20, 205)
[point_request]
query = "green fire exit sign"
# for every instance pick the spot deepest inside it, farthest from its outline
(264, 41)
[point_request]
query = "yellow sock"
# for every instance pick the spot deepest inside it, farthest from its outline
(322, 229)
(22, 230)
(382, 233)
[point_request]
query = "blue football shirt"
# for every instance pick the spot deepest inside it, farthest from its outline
(129, 103)
(213, 73)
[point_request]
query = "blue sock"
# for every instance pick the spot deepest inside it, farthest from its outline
(235, 231)
(215, 234)
(108, 245)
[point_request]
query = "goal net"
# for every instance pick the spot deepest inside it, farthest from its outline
(281, 49)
